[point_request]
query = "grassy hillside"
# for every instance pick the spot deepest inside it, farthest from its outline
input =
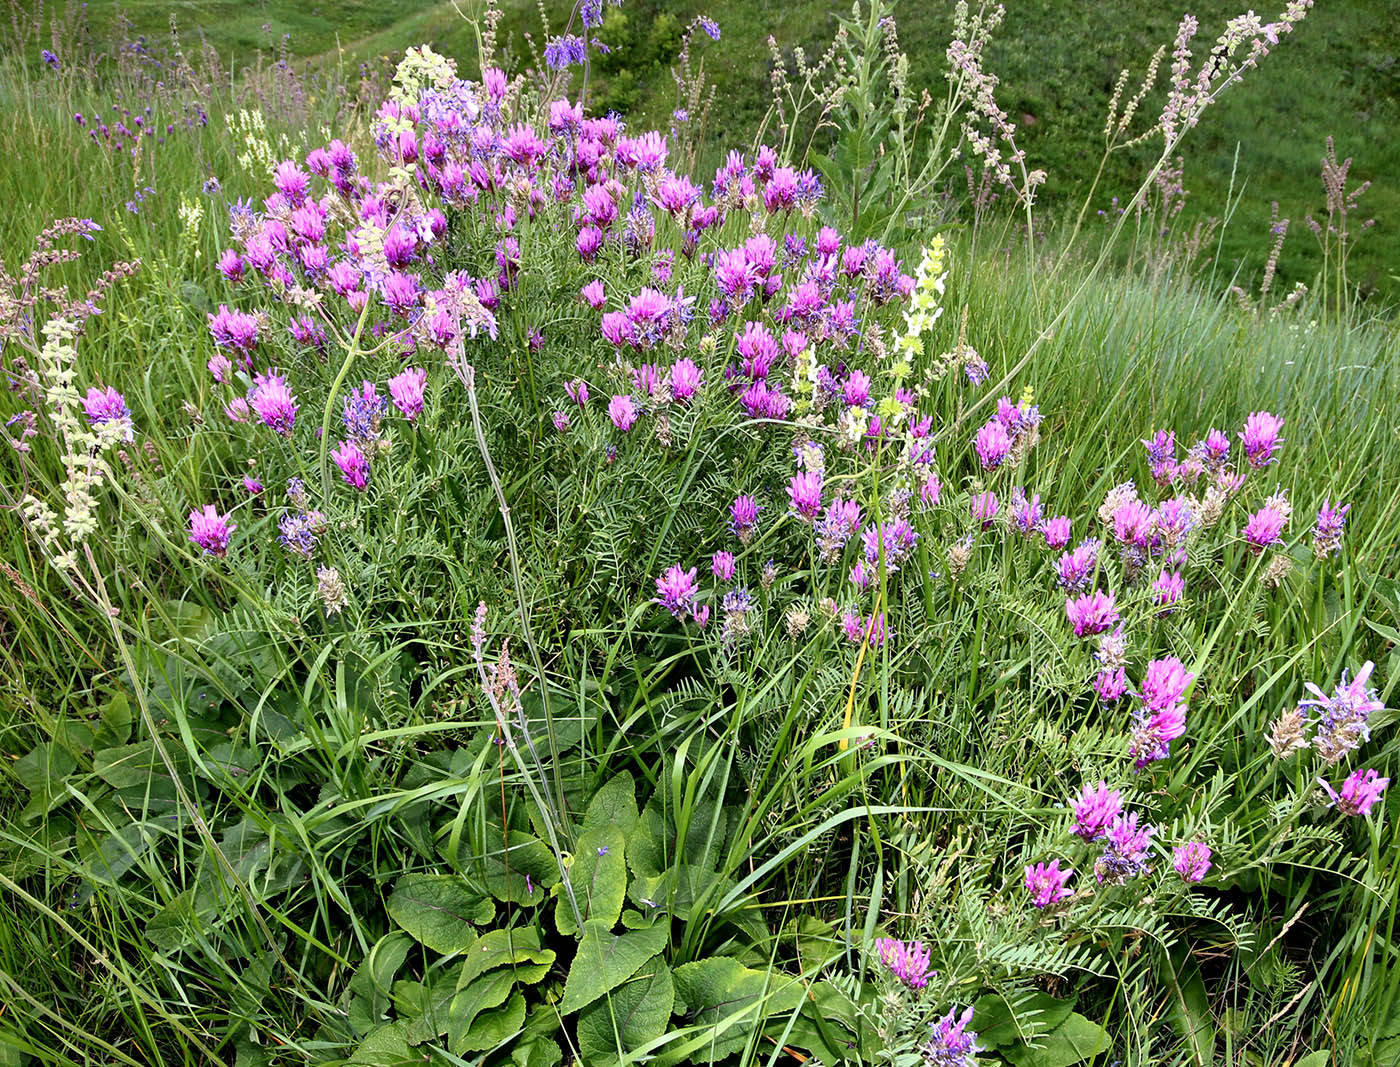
(1338, 76)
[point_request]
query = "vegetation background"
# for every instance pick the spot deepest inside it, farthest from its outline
(1057, 60)
(338, 760)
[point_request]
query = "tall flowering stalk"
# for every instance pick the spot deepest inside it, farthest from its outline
(64, 530)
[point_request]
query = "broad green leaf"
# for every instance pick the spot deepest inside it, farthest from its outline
(44, 767)
(439, 910)
(133, 766)
(1001, 1021)
(507, 947)
(615, 804)
(519, 872)
(540, 1052)
(598, 877)
(488, 991)
(177, 924)
(374, 978)
(425, 1005)
(116, 721)
(387, 1047)
(722, 993)
(1075, 1040)
(605, 960)
(632, 1015)
(494, 1028)
(647, 845)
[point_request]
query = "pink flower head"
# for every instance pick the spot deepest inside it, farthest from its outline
(1095, 808)
(1155, 732)
(211, 531)
(950, 1043)
(578, 391)
(930, 491)
(1132, 523)
(722, 565)
(1168, 588)
(805, 489)
(1264, 528)
(592, 294)
(675, 591)
(220, 367)
(1092, 613)
(561, 421)
(106, 405)
(1165, 683)
(406, 390)
(1125, 851)
(992, 443)
(1260, 437)
(1046, 883)
(623, 412)
(354, 466)
(233, 329)
(1327, 533)
(274, 403)
(1191, 860)
(856, 391)
(1056, 531)
(908, 961)
(984, 509)
(686, 379)
(1111, 685)
(743, 516)
(1359, 792)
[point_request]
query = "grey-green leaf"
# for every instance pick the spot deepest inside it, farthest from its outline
(439, 910)
(598, 877)
(631, 1016)
(605, 960)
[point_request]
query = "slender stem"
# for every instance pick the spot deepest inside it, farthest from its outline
(325, 442)
(468, 375)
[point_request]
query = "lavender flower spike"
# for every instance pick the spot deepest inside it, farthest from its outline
(907, 960)
(1046, 883)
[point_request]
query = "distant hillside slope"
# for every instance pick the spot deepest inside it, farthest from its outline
(1339, 74)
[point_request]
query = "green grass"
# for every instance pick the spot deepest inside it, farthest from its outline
(1057, 63)
(329, 758)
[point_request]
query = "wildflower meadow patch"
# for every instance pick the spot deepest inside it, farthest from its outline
(482, 589)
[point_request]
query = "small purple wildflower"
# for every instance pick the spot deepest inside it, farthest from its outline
(1359, 792)
(951, 1044)
(1095, 809)
(1092, 613)
(805, 489)
(1191, 860)
(908, 961)
(992, 444)
(1046, 883)
(211, 531)
(676, 591)
(623, 412)
(274, 403)
(406, 389)
(743, 517)
(1260, 438)
(353, 464)
(1264, 528)
(1327, 534)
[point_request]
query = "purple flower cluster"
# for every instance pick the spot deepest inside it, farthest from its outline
(1359, 793)
(1161, 716)
(908, 961)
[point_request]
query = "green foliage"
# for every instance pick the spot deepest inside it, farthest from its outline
(240, 831)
